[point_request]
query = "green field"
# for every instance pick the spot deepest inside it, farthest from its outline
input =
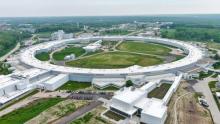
(44, 56)
(114, 116)
(26, 113)
(83, 120)
(115, 60)
(44, 34)
(74, 85)
(140, 47)
(59, 56)
(159, 92)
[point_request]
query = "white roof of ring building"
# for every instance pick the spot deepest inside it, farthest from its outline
(194, 54)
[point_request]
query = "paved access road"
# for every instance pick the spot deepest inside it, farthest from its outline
(78, 113)
(202, 86)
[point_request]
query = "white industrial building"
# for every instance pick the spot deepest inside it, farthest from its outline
(194, 54)
(106, 82)
(18, 83)
(93, 46)
(60, 34)
(133, 101)
(127, 101)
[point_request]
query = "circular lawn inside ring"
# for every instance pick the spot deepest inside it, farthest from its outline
(110, 60)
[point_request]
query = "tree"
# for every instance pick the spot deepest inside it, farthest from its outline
(129, 83)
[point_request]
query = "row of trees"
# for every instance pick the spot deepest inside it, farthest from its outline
(9, 39)
(68, 28)
(192, 34)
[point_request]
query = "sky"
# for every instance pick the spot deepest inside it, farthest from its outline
(25, 8)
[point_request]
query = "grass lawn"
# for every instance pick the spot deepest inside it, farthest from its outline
(215, 75)
(57, 111)
(44, 34)
(141, 47)
(44, 56)
(74, 85)
(93, 117)
(203, 74)
(114, 116)
(59, 56)
(109, 88)
(83, 120)
(159, 92)
(212, 84)
(115, 60)
(26, 113)
(213, 45)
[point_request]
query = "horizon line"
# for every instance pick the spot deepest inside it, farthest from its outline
(162, 14)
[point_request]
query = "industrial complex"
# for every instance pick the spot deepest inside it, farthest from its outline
(128, 101)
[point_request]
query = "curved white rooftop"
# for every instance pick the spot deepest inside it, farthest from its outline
(194, 54)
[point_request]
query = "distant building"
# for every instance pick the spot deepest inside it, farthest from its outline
(70, 57)
(147, 33)
(93, 46)
(59, 35)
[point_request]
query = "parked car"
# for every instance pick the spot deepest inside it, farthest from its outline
(203, 102)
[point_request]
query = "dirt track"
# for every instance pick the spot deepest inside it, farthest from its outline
(188, 110)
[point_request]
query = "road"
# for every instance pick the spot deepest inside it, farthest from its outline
(202, 86)
(9, 53)
(78, 113)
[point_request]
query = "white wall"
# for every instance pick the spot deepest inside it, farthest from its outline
(148, 119)
(56, 82)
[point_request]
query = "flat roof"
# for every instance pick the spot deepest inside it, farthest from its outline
(155, 108)
(128, 95)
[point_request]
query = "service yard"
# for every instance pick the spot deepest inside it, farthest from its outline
(188, 110)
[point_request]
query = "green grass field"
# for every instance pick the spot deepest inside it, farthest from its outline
(26, 113)
(83, 120)
(140, 47)
(73, 85)
(59, 56)
(159, 92)
(44, 34)
(115, 60)
(44, 56)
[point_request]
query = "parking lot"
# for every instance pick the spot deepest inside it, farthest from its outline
(87, 95)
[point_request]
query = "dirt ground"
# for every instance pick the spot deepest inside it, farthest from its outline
(96, 117)
(188, 109)
(57, 111)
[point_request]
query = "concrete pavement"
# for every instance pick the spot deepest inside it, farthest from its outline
(202, 86)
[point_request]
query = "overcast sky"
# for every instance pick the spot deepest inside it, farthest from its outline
(9, 8)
